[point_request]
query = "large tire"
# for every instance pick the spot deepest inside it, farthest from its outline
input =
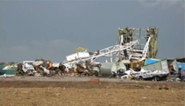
(156, 78)
(140, 78)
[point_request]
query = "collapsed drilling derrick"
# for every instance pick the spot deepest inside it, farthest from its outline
(147, 46)
(134, 44)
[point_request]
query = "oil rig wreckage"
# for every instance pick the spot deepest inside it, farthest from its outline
(132, 49)
(134, 46)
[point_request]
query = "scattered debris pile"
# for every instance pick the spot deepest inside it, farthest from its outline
(134, 57)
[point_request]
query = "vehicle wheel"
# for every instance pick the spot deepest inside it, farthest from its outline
(140, 78)
(156, 78)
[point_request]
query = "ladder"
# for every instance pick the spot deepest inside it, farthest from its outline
(143, 55)
(109, 51)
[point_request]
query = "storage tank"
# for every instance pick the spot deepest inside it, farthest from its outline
(107, 69)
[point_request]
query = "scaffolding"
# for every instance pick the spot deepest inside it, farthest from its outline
(127, 34)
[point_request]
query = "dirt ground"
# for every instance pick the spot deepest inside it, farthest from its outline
(40, 93)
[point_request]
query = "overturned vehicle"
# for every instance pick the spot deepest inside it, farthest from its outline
(157, 75)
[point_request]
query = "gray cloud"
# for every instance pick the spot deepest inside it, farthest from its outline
(54, 50)
(163, 3)
(19, 48)
(52, 30)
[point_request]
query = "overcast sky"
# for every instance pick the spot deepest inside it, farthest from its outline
(53, 29)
